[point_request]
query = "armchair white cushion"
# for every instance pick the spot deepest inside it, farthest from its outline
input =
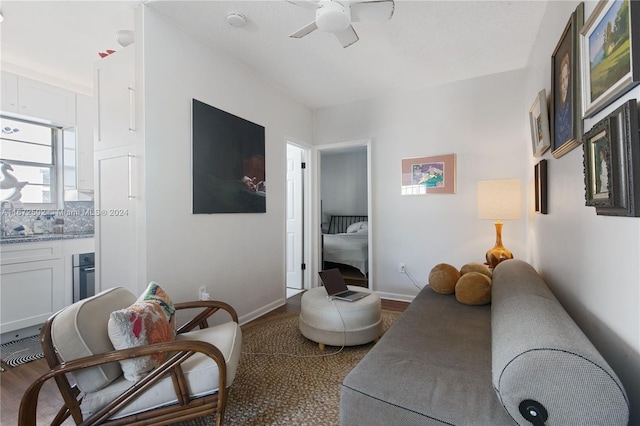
(200, 371)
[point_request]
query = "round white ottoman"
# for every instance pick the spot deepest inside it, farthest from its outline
(321, 322)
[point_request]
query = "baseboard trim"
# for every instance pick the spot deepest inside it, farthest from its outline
(395, 296)
(261, 311)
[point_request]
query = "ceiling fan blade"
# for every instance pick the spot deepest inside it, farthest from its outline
(305, 30)
(375, 10)
(347, 37)
(307, 4)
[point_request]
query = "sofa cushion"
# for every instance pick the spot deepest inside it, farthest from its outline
(475, 267)
(74, 335)
(432, 367)
(540, 354)
(473, 288)
(443, 278)
(200, 372)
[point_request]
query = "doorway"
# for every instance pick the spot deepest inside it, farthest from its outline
(297, 228)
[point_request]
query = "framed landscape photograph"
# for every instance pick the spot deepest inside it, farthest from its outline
(610, 52)
(540, 179)
(429, 175)
(566, 112)
(539, 122)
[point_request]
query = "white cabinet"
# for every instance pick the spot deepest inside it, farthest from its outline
(86, 116)
(114, 92)
(119, 171)
(32, 284)
(31, 98)
(116, 249)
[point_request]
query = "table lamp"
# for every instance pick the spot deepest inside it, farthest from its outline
(498, 200)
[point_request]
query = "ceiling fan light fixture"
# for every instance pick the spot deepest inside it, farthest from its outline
(333, 17)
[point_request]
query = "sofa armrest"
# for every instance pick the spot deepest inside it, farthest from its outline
(540, 357)
(179, 352)
(209, 307)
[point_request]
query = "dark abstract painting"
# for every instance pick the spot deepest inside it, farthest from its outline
(228, 162)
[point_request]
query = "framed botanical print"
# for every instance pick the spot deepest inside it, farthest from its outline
(429, 175)
(566, 112)
(539, 122)
(610, 53)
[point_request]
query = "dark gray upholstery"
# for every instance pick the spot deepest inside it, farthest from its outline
(434, 365)
(539, 353)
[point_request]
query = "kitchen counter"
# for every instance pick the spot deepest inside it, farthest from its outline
(14, 239)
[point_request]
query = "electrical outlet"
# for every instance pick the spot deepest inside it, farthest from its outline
(402, 268)
(202, 293)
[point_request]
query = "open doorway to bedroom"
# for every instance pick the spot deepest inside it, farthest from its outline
(297, 227)
(344, 190)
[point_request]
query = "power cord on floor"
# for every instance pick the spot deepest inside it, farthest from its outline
(344, 342)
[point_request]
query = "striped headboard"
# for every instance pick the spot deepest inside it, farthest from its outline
(339, 224)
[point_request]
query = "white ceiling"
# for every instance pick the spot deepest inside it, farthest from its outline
(426, 43)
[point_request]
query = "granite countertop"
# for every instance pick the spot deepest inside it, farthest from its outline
(14, 239)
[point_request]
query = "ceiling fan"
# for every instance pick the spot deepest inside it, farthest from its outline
(336, 17)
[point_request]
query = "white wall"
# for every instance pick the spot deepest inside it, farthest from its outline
(482, 121)
(592, 263)
(344, 182)
(240, 257)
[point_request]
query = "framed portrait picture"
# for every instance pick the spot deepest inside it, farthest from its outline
(610, 53)
(429, 175)
(612, 163)
(539, 122)
(540, 179)
(566, 110)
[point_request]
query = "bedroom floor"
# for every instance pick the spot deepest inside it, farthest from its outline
(352, 276)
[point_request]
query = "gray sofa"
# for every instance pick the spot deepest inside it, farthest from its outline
(521, 360)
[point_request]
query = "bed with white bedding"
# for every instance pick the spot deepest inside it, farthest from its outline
(348, 244)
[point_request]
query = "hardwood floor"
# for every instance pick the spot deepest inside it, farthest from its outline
(15, 381)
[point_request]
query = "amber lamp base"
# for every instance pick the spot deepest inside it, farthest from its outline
(498, 253)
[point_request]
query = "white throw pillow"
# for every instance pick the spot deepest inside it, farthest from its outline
(355, 227)
(150, 320)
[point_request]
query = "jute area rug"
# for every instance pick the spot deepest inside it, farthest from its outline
(284, 379)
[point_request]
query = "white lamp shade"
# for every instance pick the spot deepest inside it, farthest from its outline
(499, 199)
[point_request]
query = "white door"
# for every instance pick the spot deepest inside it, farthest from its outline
(295, 218)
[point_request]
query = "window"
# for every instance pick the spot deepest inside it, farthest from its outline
(29, 153)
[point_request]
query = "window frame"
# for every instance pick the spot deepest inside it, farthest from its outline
(57, 183)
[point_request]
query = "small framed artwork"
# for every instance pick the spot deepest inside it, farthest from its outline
(597, 165)
(429, 175)
(566, 110)
(610, 52)
(540, 178)
(612, 178)
(539, 122)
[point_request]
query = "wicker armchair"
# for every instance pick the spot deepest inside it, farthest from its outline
(191, 382)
